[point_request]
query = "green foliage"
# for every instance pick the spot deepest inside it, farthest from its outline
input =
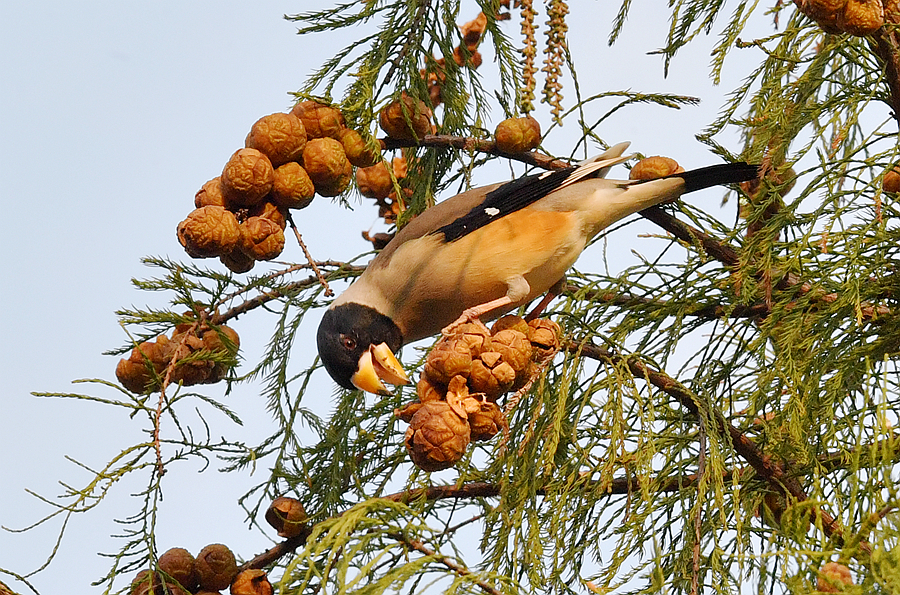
(714, 420)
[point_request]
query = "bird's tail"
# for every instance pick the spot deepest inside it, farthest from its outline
(608, 207)
(714, 175)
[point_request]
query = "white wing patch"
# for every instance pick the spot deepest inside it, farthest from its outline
(492, 211)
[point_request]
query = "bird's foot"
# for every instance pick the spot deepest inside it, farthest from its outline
(474, 313)
(470, 315)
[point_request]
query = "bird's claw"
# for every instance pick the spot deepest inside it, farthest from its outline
(470, 315)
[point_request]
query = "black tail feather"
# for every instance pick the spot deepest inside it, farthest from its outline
(714, 175)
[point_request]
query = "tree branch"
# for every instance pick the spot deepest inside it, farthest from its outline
(775, 473)
(887, 48)
(271, 555)
(481, 489)
(721, 251)
(285, 291)
(709, 311)
(831, 461)
(468, 143)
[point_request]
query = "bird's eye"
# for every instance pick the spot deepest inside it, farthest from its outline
(348, 342)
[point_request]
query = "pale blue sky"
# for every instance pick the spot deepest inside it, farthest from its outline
(112, 114)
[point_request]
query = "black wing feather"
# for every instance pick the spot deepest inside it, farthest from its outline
(508, 198)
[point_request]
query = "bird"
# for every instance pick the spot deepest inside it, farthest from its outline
(482, 253)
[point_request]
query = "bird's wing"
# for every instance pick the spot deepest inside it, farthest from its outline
(451, 213)
(520, 193)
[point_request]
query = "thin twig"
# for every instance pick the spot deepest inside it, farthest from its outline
(272, 555)
(867, 311)
(309, 258)
(721, 251)
(513, 401)
(275, 294)
(280, 273)
(833, 460)
(468, 143)
(446, 561)
(869, 523)
(885, 510)
(264, 298)
(458, 526)
(536, 371)
(157, 418)
(710, 311)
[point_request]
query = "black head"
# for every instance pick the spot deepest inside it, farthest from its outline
(347, 332)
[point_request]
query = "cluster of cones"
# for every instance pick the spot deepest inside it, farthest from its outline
(215, 568)
(198, 354)
(464, 376)
(288, 158)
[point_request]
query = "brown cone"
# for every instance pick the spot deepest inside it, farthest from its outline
(437, 437)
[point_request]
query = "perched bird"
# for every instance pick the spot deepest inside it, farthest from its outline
(483, 253)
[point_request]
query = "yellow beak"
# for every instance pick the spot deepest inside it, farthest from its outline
(376, 366)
